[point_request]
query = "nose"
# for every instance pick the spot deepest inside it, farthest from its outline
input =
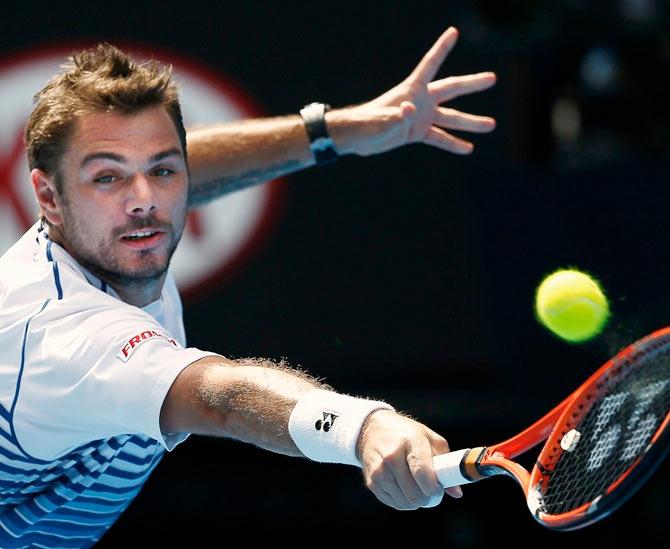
(141, 198)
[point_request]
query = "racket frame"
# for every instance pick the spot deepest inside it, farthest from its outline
(483, 462)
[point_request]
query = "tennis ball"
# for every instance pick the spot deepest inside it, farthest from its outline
(571, 304)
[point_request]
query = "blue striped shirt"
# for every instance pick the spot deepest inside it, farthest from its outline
(82, 379)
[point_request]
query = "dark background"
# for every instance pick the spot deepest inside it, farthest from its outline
(410, 276)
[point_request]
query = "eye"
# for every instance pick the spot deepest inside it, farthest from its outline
(162, 172)
(105, 179)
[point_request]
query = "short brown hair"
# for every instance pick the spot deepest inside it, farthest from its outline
(99, 79)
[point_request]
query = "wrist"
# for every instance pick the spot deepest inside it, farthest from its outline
(326, 426)
(320, 142)
(369, 421)
(344, 130)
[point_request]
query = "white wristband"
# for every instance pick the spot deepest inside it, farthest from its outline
(325, 426)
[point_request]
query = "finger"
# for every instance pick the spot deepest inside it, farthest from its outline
(387, 499)
(455, 86)
(434, 501)
(420, 464)
(427, 68)
(445, 141)
(457, 120)
(393, 487)
(440, 446)
(383, 485)
(413, 494)
(438, 443)
(455, 492)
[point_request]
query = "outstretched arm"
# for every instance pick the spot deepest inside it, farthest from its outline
(275, 407)
(227, 157)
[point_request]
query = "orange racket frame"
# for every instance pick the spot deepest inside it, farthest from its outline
(470, 465)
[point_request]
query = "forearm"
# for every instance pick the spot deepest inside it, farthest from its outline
(280, 409)
(229, 157)
(251, 400)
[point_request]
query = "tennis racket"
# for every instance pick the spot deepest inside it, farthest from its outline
(602, 442)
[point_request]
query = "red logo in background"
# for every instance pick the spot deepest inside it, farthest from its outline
(7, 191)
(220, 239)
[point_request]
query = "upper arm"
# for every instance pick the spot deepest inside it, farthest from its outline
(185, 410)
(91, 373)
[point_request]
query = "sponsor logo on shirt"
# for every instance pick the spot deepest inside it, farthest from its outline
(135, 341)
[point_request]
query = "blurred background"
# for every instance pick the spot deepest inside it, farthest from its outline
(407, 276)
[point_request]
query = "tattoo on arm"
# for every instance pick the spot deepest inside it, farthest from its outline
(203, 193)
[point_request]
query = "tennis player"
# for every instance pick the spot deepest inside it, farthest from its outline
(96, 378)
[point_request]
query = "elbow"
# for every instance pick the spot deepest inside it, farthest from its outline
(195, 403)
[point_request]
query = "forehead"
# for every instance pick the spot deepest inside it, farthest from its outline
(133, 135)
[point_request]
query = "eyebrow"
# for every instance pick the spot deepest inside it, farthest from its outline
(122, 159)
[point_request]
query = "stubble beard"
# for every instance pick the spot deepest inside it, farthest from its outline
(104, 262)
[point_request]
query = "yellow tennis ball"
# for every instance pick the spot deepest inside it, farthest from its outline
(572, 305)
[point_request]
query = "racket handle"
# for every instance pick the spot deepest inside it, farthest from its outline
(451, 467)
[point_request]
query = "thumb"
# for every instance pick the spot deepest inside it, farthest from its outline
(408, 109)
(455, 492)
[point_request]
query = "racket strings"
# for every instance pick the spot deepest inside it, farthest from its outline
(627, 407)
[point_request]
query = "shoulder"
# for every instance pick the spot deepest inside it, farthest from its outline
(27, 279)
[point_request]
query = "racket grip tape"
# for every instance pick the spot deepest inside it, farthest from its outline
(458, 467)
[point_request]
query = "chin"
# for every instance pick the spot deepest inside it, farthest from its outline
(145, 272)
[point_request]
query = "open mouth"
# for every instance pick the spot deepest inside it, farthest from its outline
(143, 239)
(140, 235)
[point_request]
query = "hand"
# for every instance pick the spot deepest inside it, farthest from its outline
(396, 453)
(411, 112)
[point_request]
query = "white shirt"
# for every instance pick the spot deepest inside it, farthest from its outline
(83, 376)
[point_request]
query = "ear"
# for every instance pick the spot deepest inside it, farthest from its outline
(47, 196)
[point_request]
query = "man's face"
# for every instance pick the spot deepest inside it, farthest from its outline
(124, 194)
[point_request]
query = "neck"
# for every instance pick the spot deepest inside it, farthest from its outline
(134, 291)
(139, 294)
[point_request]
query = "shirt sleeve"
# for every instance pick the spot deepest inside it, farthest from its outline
(93, 372)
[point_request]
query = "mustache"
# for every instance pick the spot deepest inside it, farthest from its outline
(141, 224)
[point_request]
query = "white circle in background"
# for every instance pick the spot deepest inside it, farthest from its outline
(230, 229)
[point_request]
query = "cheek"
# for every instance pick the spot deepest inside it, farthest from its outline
(178, 204)
(92, 221)
(92, 217)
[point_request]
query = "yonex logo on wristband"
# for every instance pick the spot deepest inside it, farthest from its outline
(326, 423)
(135, 341)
